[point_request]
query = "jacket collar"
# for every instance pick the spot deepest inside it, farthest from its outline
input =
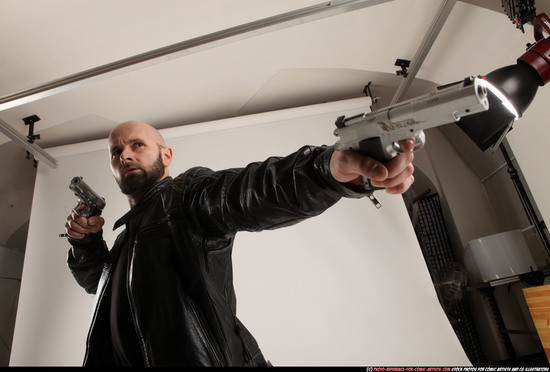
(143, 202)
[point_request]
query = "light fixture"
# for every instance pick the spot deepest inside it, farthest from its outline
(515, 86)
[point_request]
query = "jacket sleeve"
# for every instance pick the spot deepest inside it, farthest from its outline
(277, 192)
(86, 259)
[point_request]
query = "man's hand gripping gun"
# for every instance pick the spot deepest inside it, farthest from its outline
(89, 202)
(377, 134)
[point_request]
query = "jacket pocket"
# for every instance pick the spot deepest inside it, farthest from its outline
(154, 230)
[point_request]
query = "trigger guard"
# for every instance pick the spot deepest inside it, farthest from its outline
(420, 141)
(78, 209)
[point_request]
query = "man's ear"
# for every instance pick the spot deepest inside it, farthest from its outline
(166, 156)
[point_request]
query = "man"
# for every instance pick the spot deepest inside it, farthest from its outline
(164, 292)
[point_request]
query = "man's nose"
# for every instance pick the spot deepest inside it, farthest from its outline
(125, 156)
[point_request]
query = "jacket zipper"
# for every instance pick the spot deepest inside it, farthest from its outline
(139, 333)
(133, 307)
(202, 332)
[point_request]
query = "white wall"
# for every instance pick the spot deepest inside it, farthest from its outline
(349, 287)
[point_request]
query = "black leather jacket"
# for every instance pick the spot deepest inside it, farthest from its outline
(180, 280)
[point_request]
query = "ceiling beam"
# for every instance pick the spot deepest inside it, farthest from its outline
(229, 35)
(424, 48)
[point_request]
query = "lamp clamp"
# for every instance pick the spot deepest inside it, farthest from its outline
(30, 120)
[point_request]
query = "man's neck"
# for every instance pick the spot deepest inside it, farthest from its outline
(133, 199)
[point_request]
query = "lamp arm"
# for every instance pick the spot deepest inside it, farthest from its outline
(540, 23)
(538, 54)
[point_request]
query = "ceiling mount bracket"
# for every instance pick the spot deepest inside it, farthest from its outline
(30, 120)
(37, 151)
(404, 64)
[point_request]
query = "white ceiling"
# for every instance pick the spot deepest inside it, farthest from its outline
(324, 60)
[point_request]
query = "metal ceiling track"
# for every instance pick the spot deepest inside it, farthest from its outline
(215, 39)
(424, 48)
(156, 56)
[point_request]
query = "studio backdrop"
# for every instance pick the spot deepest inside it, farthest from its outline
(349, 287)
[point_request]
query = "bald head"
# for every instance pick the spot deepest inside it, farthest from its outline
(137, 127)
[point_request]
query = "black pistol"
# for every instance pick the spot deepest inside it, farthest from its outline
(89, 202)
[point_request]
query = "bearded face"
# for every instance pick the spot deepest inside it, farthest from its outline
(135, 177)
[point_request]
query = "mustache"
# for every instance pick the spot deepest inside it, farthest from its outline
(130, 165)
